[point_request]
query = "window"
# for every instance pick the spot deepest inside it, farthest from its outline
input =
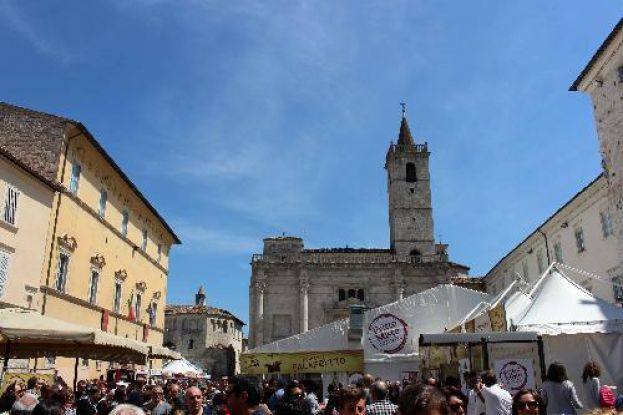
(352, 293)
(85, 362)
(153, 313)
(579, 240)
(95, 278)
(75, 177)
(539, 261)
(360, 294)
(558, 252)
(159, 252)
(4, 271)
(10, 205)
(225, 327)
(117, 297)
(50, 360)
(341, 294)
(411, 177)
(102, 207)
(606, 224)
(137, 306)
(191, 344)
(144, 243)
(617, 287)
(62, 271)
(125, 217)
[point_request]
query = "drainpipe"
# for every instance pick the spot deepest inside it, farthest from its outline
(58, 207)
(549, 261)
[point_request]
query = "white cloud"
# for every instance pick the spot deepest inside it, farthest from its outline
(199, 237)
(28, 30)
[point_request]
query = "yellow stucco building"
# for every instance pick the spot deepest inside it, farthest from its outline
(106, 254)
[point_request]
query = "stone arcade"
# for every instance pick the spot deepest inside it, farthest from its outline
(294, 289)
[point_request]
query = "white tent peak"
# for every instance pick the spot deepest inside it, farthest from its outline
(559, 305)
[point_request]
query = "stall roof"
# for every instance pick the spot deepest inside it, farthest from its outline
(31, 334)
(559, 306)
(491, 337)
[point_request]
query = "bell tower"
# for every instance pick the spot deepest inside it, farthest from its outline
(408, 186)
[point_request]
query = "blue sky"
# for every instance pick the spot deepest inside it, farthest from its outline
(245, 119)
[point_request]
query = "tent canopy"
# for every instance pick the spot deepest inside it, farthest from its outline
(31, 334)
(161, 352)
(560, 306)
(182, 367)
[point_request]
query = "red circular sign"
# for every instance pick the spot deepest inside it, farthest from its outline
(387, 333)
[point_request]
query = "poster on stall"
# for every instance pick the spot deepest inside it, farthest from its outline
(515, 374)
(302, 362)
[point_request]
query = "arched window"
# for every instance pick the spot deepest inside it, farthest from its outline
(411, 177)
(360, 294)
(191, 343)
(341, 294)
(414, 252)
(352, 293)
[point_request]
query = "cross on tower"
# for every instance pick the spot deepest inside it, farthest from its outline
(404, 108)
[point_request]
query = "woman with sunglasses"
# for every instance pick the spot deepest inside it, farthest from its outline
(528, 402)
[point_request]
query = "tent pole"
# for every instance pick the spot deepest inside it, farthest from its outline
(75, 374)
(539, 343)
(5, 364)
(485, 354)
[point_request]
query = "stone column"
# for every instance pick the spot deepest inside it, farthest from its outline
(304, 302)
(398, 286)
(260, 287)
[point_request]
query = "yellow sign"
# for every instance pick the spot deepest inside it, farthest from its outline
(497, 315)
(302, 362)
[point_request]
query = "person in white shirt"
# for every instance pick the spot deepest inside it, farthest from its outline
(497, 400)
(475, 405)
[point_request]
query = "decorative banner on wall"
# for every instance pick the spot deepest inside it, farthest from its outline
(302, 362)
(388, 333)
(515, 374)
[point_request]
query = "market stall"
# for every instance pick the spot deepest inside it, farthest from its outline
(27, 334)
(391, 332)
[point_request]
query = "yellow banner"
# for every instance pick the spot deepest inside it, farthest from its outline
(302, 362)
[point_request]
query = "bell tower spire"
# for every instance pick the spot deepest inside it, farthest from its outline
(408, 186)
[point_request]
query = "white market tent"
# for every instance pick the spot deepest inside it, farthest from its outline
(330, 337)
(560, 306)
(182, 367)
(575, 325)
(432, 310)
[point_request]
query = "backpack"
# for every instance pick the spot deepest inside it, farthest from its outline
(606, 397)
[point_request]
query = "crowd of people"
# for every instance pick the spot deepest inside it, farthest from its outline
(481, 394)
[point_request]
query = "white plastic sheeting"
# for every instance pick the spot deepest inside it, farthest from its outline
(574, 350)
(330, 337)
(430, 311)
(560, 306)
(182, 367)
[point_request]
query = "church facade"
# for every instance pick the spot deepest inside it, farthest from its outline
(294, 289)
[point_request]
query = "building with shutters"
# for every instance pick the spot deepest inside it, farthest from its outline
(602, 80)
(25, 206)
(294, 289)
(209, 337)
(580, 235)
(106, 251)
